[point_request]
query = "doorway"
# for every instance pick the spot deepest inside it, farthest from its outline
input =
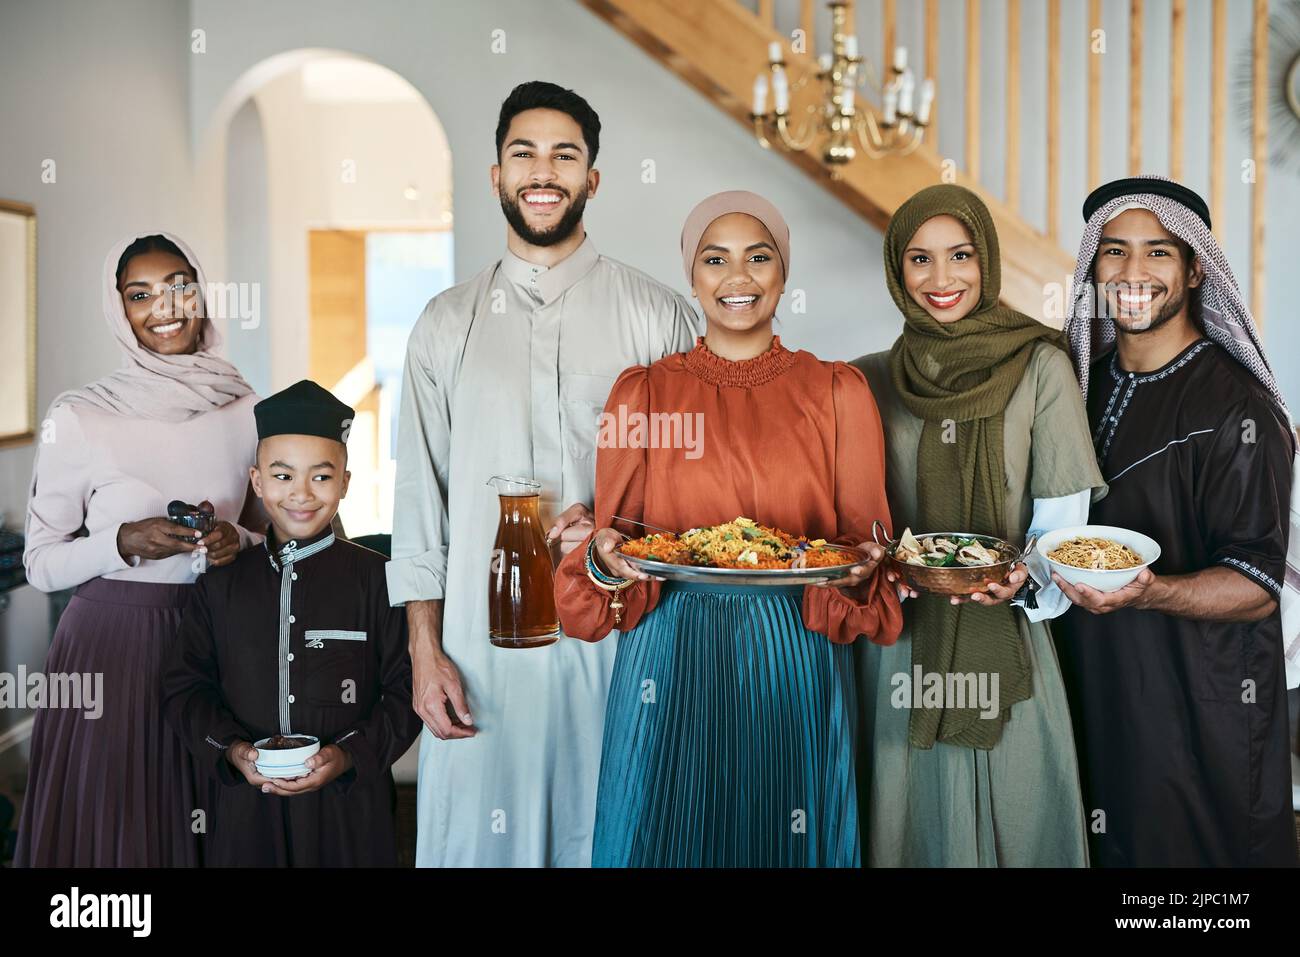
(368, 288)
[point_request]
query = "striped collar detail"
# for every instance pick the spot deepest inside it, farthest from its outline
(1174, 364)
(293, 552)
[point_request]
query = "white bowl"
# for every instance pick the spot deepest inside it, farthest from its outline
(286, 757)
(1111, 580)
(283, 773)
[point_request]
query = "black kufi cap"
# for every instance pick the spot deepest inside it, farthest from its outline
(304, 409)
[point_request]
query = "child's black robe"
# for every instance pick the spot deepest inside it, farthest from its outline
(303, 641)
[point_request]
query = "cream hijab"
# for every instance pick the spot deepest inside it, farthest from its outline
(153, 386)
(149, 385)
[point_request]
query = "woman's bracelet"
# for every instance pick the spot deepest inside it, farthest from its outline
(608, 583)
(595, 573)
(616, 599)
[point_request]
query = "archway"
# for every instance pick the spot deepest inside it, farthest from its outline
(325, 181)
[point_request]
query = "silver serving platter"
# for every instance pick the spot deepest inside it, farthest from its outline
(762, 577)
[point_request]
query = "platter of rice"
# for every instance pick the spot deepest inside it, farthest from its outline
(740, 552)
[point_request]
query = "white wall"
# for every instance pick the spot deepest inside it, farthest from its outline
(444, 50)
(112, 108)
(388, 146)
(101, 89)
(248, 242)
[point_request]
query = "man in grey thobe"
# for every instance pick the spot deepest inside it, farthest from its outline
(507, 374)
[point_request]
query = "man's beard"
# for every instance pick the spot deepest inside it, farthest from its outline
(554, 234)
(1170, 309)
(1173, 305)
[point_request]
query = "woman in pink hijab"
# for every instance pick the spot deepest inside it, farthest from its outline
(732, 711)
(109, 784)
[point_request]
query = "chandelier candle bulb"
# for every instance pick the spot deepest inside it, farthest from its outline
(927, 101)
(781, 91)
(905, 95)
(891, 104)
(843, 127)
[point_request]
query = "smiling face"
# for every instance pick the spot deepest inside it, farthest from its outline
(543, 178)
(737, 273)
(300, 479)
(163, 302)
(1145, 272)
(941, 269)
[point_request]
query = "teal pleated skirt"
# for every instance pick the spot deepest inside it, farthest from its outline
(729, 737)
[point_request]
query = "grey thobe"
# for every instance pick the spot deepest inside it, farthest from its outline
(507, 374)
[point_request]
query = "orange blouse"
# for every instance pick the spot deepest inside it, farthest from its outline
(784, 438)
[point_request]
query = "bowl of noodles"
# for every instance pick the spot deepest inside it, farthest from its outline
(1103, 557)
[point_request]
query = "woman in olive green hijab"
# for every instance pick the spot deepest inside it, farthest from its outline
(985, 433)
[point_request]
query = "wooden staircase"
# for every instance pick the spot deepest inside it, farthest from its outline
(687, 35)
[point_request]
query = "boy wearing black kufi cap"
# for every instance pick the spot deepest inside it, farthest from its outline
(296, 638)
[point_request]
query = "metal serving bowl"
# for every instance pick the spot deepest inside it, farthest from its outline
(953, 579)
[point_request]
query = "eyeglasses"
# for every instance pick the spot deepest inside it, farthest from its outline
(177, 298)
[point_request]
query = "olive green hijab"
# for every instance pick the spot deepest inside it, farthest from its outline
(958, 377)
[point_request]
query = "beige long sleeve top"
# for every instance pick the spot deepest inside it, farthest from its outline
(96, 470)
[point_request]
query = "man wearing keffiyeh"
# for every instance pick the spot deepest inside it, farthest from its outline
(1176, 681)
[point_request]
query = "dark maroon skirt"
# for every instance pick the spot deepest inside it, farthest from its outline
(119, 790)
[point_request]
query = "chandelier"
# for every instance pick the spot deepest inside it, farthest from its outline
(905, 113)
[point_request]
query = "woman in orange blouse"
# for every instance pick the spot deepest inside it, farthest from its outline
(729, 733)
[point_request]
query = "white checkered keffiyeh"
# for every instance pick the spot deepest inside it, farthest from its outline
(1227, 322)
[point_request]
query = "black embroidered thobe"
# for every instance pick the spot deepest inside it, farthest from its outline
(1181, 724)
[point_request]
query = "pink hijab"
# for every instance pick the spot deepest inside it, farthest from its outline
(153, 386)
(734, 201)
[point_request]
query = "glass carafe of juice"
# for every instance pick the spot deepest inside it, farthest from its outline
(521, 588)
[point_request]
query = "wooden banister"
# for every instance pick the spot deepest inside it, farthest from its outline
(683, 34)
